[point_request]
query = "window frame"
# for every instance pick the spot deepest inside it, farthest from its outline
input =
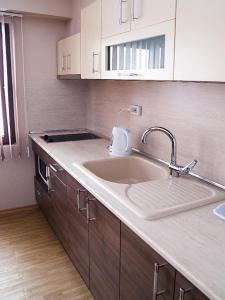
(6, 139)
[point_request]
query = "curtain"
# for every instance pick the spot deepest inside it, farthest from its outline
(13, 126)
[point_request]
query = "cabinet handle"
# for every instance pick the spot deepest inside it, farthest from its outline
(56, 168)
(121, 21)
(128, 74)
(63, 63)
(93, 60)
(69, 62)
(183, 292)
(79, 191)
(88, 211)
(156, 293)
(134, 17)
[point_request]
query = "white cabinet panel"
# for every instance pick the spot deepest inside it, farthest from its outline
(148, 12)
(91, 41)
(115, 17)
(147, 53)
(200, 42)
(69, 55)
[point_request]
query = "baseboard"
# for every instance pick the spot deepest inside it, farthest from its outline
(22, 209)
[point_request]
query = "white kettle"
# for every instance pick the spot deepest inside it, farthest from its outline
(121, 142)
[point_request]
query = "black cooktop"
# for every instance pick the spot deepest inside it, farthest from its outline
(69, 137)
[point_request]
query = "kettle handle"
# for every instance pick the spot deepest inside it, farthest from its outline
(128, 139)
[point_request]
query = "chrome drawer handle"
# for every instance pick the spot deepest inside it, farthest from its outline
(79, 191)
(88, 211)
(156, 293)
(183, 292)
(128, 74)
(56, 168)
(94, 70)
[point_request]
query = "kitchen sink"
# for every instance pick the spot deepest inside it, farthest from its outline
(126, 170)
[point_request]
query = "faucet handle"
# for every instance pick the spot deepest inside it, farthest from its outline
(189, 167)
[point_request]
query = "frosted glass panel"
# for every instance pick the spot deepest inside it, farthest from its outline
(138, 55)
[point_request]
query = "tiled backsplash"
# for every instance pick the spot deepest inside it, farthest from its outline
(194, 112)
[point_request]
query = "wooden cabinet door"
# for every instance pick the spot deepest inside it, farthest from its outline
(91, 41)
(115, 17)
(77, 234)
(58, 194)
(61, 58)
(73, 56)
(43, 199)
(184, 290)
(200, 47)
(149, 12)
(140, 266)
(104, 250)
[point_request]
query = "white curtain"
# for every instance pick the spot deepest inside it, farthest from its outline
(13, 126)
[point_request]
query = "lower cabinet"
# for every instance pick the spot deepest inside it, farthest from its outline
(43, 199)
(112, 260)
(144, 274)
(104, 251)
(77, 235)
(184, 290)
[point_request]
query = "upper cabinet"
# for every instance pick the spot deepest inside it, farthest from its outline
(119, 16)
(115, 17)
(91, 41)
(138, 39)
(149, 12)
(147, 53)
(68, 52)
(200, 46)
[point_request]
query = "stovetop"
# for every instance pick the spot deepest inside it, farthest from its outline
(67, 136)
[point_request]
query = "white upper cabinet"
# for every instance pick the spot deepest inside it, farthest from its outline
(147, 53)
(119, 16)
(149, 12)
(115, 17)
(91, 41)
(200, 40)
(69, 55)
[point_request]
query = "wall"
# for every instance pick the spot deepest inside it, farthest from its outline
(194, 112)
(56, 8)
(74, 26)
(51, 104)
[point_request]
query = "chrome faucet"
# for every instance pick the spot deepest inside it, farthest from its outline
(174, 168)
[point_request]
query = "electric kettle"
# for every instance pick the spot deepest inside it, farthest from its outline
(121, 142)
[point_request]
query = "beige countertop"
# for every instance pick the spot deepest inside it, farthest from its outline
(193, 241)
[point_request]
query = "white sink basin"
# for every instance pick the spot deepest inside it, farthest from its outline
(126, 170)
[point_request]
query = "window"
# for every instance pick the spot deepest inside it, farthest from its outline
(7, 120)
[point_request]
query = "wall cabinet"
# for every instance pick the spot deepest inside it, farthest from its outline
(125, 15)
(115, 17)
(113, 261)
(200, 43)
(149, 12)
(68, 53)
(91, 41)
(147, 53)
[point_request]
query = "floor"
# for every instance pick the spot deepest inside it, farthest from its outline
(33, 264)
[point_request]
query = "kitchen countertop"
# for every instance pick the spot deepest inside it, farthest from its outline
(193, 241)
